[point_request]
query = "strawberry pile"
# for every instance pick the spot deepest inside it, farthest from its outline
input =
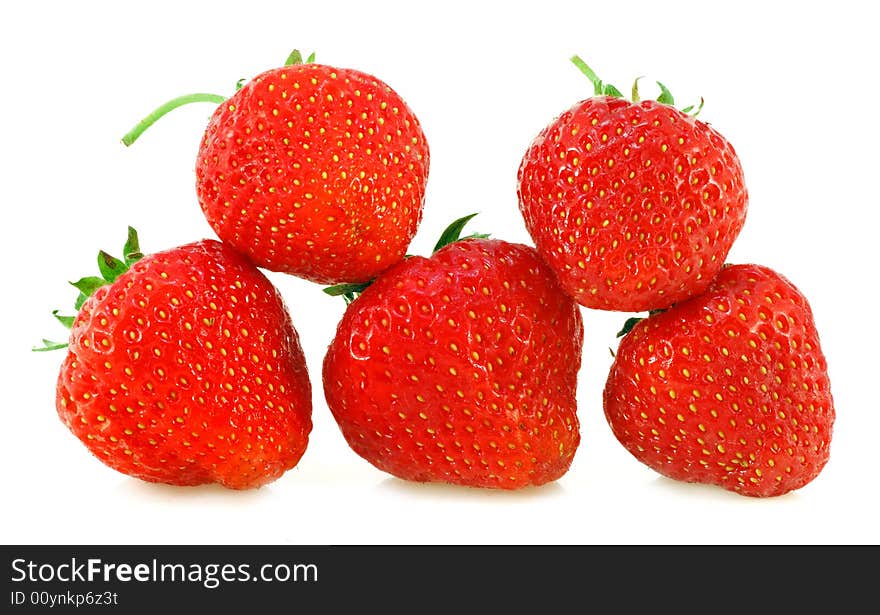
(184, 366)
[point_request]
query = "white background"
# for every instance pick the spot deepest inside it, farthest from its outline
(791, 85)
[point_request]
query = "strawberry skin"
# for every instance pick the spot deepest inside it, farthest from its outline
(315, 171)
(460, 368)
(187, 370)
(634, 205)
(728, 388)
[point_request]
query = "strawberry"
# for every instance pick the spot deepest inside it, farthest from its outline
(460, 368)
(634, 204)
(185, 369)
(727, 388)
(312, 170)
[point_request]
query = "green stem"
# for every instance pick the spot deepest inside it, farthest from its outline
(132, 135)
(592, 76)
(599, 88)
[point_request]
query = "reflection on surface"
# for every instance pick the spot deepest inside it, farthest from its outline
(457, 492)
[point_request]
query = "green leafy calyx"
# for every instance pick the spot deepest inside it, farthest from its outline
(349, 291)
(110, 268)
(295, 58)
(632, 322)
(600, 88)
(452, 233)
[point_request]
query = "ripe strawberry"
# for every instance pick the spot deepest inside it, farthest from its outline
(728, 388)
(634, 205)
(186, 369)
(460, 368)
(312, 170)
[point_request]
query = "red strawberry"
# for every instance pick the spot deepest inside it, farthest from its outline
(634, 205)
(728, 388)
(314, 170)
(186, 369)
(460, 368)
